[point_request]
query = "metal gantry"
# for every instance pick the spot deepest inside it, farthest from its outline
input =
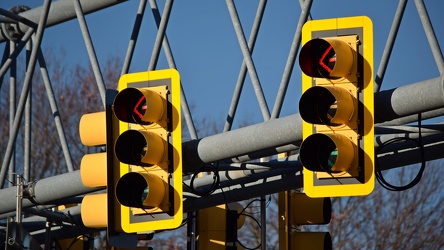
(22, 31)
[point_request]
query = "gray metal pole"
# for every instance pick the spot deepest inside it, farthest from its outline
(62, 11)
(90, 49)
(430, 33)
(404, 129)
(248, 60)
(263, 222)
(12, 104)
(134, 36)
(28, 121)
(46, 191)
(389, 105)
(238, 185)
(389, 44)
(272, 133)
(409, 99)
(244, 172)
(26, 86)
(172, 64)
(55, 111)
(243, 71)
(305, 13)
(5, 66)
(403, 154)
(160, 34)
(279, 181)
(19, 199)
(413, 118)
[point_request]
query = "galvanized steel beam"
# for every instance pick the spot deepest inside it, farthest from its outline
(62, 11)
(389, 105)
(409, 99)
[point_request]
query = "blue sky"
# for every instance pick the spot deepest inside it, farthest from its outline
(208, 55)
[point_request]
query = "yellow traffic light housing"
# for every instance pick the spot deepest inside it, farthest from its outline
(147, 175)
(99, 130)
(336, 107)
(217, 226)
(309, 211)
(305, 211)
(92, 131)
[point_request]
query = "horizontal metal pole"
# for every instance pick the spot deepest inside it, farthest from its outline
(394, 156)
(242, 173)
(62, 11)
(243, 141)
(243, 186)
(408, 153)
(46, 191)
(265, 138)
(268, 185)
(413, 118)
(429, 128)
(409, 99)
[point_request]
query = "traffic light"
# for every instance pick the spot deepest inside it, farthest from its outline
(297, 210)
(336, 107)
(310, 211)
(217, 226)
(147, 176)
(92, 130)
(100, 130)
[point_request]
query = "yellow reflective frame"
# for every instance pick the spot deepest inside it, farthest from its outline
(340, 189)
(127, 225)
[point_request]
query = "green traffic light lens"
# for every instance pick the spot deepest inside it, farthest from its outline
(133, 190)
(130, 188)
(331, 161)
(331, 153)
(318, 152)
(328, 154)
(145, 194)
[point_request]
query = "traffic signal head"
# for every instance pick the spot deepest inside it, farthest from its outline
(148, 177)
(336, 107)
(306, 211)
(309, 211)
(217, 226)
(99, 130)
(92, 130)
